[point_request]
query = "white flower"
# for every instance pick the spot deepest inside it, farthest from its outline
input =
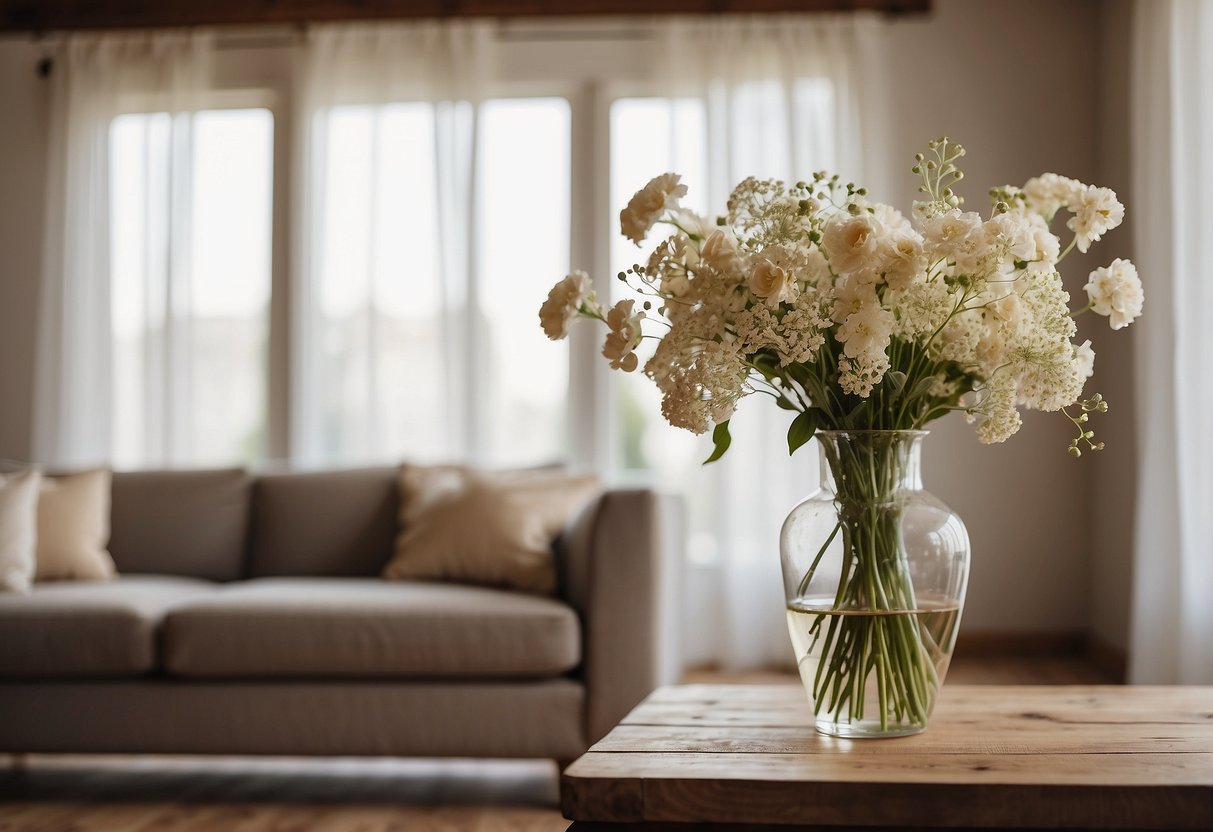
(867, 331)
(624, 336)
(890, 219)
(1115, 291)
(958, 236)
(646, 207)
(1096, 212)
(1049, 192)
(719, 251)
(1084, 359)
(564, 302)
(1048, 247)
(995, 414)
(850, 295)
(691, 223)
(1012, 233)
(773, 283)
(851, 242)
(904, 258)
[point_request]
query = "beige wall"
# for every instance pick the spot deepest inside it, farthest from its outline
(1114, 474)
(1015, 83)
(22, 174)
(1019, 83)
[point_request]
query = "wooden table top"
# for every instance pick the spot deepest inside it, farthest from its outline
(1007, 757)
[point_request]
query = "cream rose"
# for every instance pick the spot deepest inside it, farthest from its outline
(851, 242)
(719, 251)
(904, 258)
(774, 284)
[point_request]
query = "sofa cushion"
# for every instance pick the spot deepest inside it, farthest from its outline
(331, 523)
(88, 628)
(484, 527)
(73, 527)
(192, 523)
(351, 627)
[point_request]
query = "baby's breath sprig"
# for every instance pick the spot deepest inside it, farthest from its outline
(1086, 436)
(940, 173)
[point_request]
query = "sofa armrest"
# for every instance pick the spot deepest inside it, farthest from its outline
(613, 556)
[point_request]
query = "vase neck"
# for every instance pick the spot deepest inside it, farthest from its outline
(871, 464)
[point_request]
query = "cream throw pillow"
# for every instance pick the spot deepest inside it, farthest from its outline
(74, 527)
(18, 529)
(482, 527)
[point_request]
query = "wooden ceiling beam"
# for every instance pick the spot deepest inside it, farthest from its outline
(63, 15)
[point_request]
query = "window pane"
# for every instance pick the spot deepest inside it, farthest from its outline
(190, 267)
(383, 386)
(523, 249)
(400, 355)
(650, 136)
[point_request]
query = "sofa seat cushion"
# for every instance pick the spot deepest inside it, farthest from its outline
(89, 628)
(365, 627)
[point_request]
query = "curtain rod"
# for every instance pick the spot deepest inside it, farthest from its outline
(67, 15)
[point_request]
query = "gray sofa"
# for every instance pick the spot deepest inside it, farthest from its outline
(249, 618)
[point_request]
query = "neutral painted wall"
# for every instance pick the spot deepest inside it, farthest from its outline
(1015, 83)
(1114, 475)
(1018, 82)
(22, 175)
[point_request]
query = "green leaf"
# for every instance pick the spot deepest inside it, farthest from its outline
(786, 405)
(722, 440)
(896, 380)
(802, 429)
(766, 364)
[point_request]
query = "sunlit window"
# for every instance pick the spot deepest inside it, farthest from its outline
(523, 249)
(382, 384)
(650, 136)
(428, 344)
(190, 262)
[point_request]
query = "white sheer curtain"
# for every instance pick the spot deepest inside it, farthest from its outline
(94, 79)
(385, 332)
(782, 98)
(1172, 100)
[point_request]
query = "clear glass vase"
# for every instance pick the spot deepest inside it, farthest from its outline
(874, 570)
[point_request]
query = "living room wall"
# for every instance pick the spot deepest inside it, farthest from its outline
(1020, 83)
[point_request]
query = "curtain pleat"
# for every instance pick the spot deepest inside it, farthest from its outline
(1172, 106)
(779, 96)
(94, 75)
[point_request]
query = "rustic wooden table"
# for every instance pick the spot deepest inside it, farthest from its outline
(994, 757)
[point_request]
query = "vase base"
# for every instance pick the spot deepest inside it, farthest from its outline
(865, 729)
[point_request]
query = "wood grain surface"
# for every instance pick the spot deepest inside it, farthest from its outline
(1011, 757)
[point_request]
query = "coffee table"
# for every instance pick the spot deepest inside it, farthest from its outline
(994, 757)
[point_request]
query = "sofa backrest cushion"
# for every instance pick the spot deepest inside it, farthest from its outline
(192, 523)
(330, 523)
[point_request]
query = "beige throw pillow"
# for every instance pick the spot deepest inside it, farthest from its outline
(481, 527)
(18, 529)
(74, 527)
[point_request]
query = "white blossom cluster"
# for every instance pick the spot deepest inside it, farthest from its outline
(830, 302)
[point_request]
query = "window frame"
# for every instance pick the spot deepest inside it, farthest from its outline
(589, 64)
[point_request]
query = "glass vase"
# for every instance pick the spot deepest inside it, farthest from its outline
(874, 570)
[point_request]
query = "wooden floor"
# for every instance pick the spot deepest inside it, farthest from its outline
(82, 794)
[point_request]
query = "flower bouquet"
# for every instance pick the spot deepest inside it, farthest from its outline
(860, 321)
